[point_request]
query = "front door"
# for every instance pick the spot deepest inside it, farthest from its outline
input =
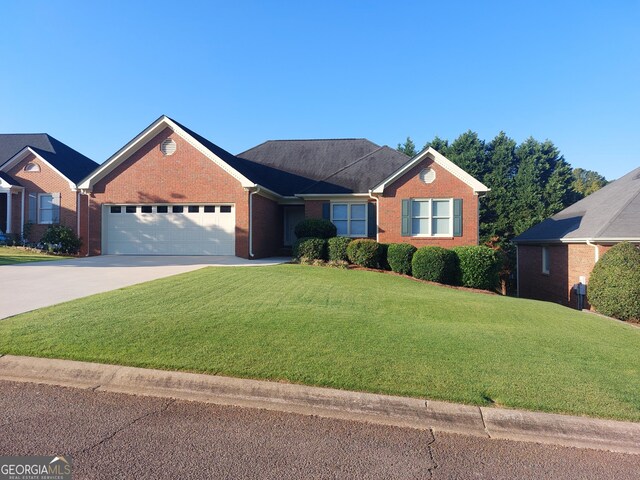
(293, 214)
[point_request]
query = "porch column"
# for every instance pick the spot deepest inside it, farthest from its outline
(8, 212)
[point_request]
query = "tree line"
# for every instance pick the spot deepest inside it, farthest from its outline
(529, 181)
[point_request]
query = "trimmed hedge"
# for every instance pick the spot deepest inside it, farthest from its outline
(435, 264)
(337, 249)
(364, 252)
(310, 248)
(399, 256)
(59, 238)
(479, 267)
(614, 285)
(316, 228)
(383, 263)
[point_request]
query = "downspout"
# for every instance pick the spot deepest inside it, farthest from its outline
(377, 213)
(78, 213)
(88, 228)
(596, 250)
(22, 217)
(251, 220)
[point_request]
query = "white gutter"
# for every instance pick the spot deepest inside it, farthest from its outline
(377, 213)
(251, 220)
(22, 217)
(596, 250)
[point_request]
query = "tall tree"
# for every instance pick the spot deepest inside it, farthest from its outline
(585, 182)
(468, 152)
(408, 148)
(496, 208)
(542, 183)
(439, 145)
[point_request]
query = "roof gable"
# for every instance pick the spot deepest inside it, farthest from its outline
(70, 163)
(439, 159)
(611, 213)
(218, 155)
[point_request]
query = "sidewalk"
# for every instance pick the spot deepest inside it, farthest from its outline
(384, 409)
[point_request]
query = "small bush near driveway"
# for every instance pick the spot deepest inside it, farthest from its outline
(310, 248)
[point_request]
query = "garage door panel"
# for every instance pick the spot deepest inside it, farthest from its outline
(160, 233)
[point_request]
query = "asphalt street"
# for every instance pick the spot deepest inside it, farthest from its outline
(124, 436)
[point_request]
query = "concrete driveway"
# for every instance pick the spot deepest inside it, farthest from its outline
(28, 286)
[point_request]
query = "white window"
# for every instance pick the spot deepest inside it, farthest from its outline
(350, 219)
(32, 167)
(48, 208)
(545, 260)
(432, 217)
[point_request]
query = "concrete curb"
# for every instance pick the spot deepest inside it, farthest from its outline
(384, 409)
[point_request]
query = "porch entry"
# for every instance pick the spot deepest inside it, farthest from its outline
(293, 214)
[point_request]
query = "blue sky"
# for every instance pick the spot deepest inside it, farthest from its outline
(94, 74)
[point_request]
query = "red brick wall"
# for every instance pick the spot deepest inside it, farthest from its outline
(47, 180)
(567, 262)
(410, 186)
(267, 227)
(313, 208)
(187, 176)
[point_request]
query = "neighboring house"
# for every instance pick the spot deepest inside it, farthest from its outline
(38, 177)
(561, 251)
(170, 191)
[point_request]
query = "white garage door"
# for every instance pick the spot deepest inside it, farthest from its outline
(169, 229)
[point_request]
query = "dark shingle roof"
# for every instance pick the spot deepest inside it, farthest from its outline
(613, 212)
(65, 159)
(351, 165)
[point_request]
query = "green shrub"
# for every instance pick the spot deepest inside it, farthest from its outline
(316, 228)
(614, 286)
(364, 252)
(479, 266)
(435, 264)
(310, 248)
(399, 257)
(61, 239)
(337, 249)
(383, 263)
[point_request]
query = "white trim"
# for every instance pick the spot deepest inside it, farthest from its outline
(22, 154)
(348, 219)
(440, 160)
(143, 138)
(8, 230)
(331, 196)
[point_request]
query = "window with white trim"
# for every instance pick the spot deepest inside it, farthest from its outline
(432, 217)
(546, 263)
(48, 208)
(350, 219)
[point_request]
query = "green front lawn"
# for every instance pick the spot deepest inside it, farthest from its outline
(355, 330)
(13, 255)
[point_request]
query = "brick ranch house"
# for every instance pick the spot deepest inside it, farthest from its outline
(562, 250)
(170, 191)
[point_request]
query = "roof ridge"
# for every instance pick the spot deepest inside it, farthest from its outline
(316, 139)
(344, 168)
(611, 220)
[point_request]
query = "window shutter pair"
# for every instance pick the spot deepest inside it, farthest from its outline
(457, 217)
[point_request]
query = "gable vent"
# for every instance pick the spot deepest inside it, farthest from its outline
(168, 147)
(428, 175)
